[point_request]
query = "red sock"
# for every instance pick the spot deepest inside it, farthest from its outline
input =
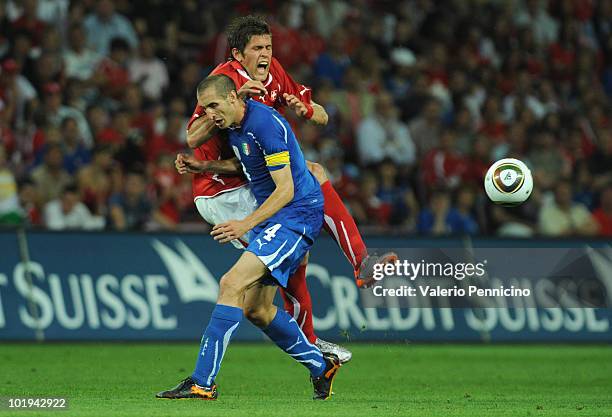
(340, 225)
(298, 303)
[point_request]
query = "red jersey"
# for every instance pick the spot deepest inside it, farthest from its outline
(277, 84)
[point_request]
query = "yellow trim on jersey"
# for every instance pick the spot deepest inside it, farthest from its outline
(280, 158)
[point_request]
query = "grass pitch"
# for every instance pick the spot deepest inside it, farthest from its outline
(259, 380)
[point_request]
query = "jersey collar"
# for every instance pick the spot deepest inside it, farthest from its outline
(240, 70)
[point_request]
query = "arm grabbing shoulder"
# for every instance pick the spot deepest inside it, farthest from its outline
(201, 130)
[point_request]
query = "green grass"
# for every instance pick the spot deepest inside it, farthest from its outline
(259, 380)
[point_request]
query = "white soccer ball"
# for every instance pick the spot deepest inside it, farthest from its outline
(508, 182)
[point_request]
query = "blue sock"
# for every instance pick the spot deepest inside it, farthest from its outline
(285, 332)
(223, 322)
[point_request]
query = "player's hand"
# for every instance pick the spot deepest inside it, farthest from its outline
(252, 88)
(295, 104)
(228, 231)
(188, 164)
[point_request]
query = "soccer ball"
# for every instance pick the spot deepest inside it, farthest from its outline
(508, 182)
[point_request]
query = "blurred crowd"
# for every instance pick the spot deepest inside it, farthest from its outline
(422, 96)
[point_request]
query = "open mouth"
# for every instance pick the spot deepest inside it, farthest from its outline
(218, 122)
(262, 67)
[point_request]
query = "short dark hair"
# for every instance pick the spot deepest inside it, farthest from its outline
(71, 187)
(119, 44)
(222, 83)
(241, 29)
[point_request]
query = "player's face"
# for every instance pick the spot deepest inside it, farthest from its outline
(219, 108)
(256, 57)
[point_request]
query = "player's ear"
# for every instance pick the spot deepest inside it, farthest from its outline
(233, 96)
(237, 55)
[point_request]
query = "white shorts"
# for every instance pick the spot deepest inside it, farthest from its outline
(231, 205)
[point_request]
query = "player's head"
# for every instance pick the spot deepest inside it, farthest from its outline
(250, 42)
(217, 95)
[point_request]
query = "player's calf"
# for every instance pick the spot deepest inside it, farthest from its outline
(261, 316)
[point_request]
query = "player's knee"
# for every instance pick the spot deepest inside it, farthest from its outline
(318, 171)
(230, 286)
(260, 316)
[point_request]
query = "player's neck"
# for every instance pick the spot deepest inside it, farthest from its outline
(240, 113)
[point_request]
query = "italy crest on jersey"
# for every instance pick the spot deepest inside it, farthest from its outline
(246, 149)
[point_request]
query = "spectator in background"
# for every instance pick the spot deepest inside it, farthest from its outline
(29, 21)
(354, 101)
(80, 62)
(185, 84)
(425, 129)
(332, 64)
(433, 219)
(382, 135)
(131, 208)
(117, 133)
(167, 143)
(94, 180)
(462, 218)
(330, 14)
(193, 25)
(309, 36)
(112, 76)
(402, 200)
(533, 14)
(373, 210)
(98, 119)
(600, 163)
(53, 12)
(51, 177)
(603, 214)
(10, 212)
(148, 71)
(105, 24)
(167, 187)
(46, 69)
(563, 217)
(54, 112)
(69, 213)
(16, 88)
(22, 51)
(444, 166)
(30, 202)
(287, 46)
(442, 219)
(398, 81)
(76, 154)
(141, 121)
(546, 160)
(464, 126)
(7, 139)
(477, 162)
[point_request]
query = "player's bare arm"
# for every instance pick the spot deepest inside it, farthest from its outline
(319, 115)
(188, 164)
(201, 130)
(281, 196)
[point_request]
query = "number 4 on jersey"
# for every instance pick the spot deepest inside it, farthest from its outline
(270, 232)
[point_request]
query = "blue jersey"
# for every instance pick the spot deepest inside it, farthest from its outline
(265, 142)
